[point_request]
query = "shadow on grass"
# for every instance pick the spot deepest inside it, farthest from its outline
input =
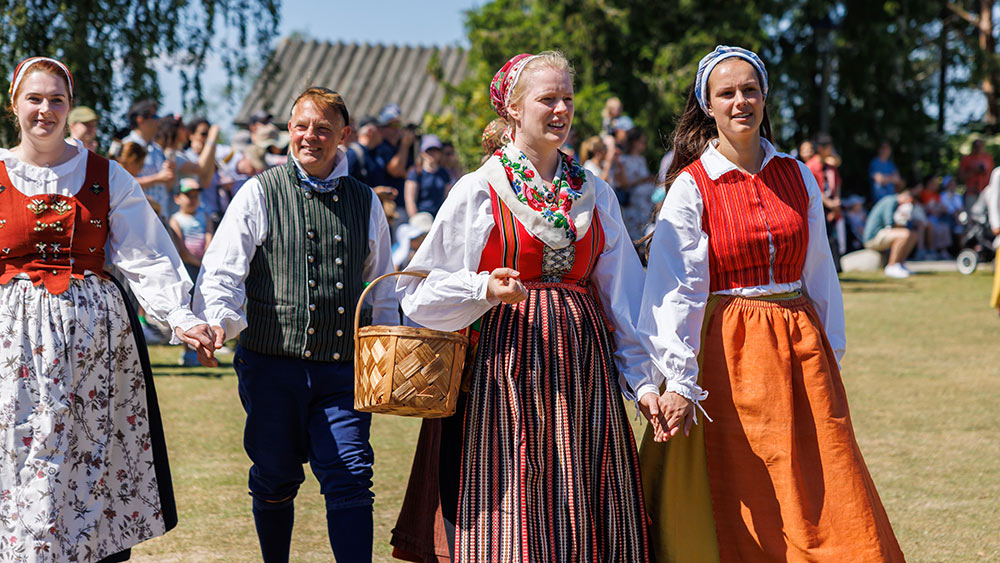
(181, 371)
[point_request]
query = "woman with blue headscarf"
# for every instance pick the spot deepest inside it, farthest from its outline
(743, 317)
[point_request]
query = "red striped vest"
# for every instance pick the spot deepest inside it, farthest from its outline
(739, 210)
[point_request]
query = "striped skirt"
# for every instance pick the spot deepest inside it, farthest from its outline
(549, 467)
(778, 475)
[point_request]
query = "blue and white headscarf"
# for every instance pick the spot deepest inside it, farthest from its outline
(721, 53)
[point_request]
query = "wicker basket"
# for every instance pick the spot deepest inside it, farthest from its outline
(406, 371)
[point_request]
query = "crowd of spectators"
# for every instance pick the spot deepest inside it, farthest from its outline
(920, 220)
(190, 176)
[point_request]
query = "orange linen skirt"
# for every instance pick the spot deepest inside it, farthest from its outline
(778, 475)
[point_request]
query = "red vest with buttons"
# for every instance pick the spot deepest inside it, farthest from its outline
(52, 238)
(740, 209)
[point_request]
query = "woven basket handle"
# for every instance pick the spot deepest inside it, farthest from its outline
(361, 300)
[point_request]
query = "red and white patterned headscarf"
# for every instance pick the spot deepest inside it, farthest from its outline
(504, 81)
(22, 69)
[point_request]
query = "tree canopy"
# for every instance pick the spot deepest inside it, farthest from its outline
(862, 70)
(111, 46)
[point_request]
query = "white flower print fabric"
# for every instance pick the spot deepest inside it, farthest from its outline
(77, 481)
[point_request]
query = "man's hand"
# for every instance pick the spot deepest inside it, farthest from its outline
(204, 340)
(505, 286)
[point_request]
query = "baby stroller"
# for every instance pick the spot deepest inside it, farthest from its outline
(975, 241)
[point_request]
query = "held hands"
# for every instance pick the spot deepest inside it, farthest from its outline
(505, 286)
(667, 414)
(205, 340)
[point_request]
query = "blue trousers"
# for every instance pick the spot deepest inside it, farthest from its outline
(298, 411)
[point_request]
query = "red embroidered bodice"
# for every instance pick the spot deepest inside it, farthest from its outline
(510, 245)
(739, 210)
(53, 237)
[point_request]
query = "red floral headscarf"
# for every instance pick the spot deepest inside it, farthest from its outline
(504, 80)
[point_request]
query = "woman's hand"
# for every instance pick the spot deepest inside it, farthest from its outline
(505, 286)
(678, 412)
(649, 406)
(205, 340)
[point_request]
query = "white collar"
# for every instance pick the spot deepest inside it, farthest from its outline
(339, 165)
(716, 164)
(16, 166)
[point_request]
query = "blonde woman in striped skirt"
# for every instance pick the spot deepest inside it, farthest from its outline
(532, 249)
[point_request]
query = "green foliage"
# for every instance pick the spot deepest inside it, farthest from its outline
(110, 46)
(883, 58)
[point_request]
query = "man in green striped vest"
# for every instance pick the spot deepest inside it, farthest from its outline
(297, 245)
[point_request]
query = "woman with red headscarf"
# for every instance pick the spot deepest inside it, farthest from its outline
(532, 249)
(83, 473)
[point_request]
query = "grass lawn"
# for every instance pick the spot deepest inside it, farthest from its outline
(920, 374)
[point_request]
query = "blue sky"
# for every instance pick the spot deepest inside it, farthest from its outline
(373, 21)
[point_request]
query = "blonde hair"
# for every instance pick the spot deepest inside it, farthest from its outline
(606, 110)
(554, 60)
(590, 147)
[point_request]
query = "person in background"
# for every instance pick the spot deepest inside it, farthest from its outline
(157, 171)
(275, 144)
(203, 148)
(604, 164)
(132, 156)
(83, 126)
(258, 121)
(192, 233)
(824, 165)
(882, 172)
(806, 151)
(318, 234)
(940, 221)
(450, 161)
(395, 153)
(362, 162)
(409, 235)
(974, 170)
(636, 183)
(890, 227)
(427, 184)
(854, 218)
(612, 110)
(496, 134)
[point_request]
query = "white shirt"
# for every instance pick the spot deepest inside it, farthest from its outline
(221, 292)
(677, 279)
(454, 294)
(138, 243)
(155, 158)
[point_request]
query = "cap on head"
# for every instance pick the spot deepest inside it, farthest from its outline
(188, 184)
(81, 114)
(259, 117)
(389, 113)
(429, 142)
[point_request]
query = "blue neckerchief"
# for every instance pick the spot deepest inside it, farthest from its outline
(315, 184)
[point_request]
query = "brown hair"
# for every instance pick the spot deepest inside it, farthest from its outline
(695, 129)
(326, 99)
(131, 155)
(40, 66)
